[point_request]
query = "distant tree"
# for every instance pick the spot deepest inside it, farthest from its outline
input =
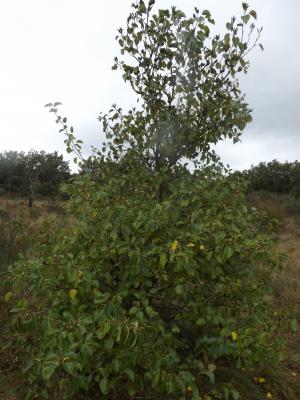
(53, 171)
(11, 172)
(32, 173)
(274, 176)
(44, 173)
(295, 178)
(32, 165)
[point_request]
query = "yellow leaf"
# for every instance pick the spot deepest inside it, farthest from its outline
(189, 389)
(73, 293)
(8, 296)
(202, 247)
(269, 395)
(261, 380)
(174, 245)
(293, 373)
(80, 274)
(191, 245)
(234, 336)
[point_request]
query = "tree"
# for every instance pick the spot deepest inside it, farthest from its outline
(187, 84)
(32, 173)
(53, 172)
(11, 173)
(158, 288)
(272, 176)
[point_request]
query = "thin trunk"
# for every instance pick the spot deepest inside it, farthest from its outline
(30, 201)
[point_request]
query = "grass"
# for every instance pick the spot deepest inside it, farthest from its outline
(282, 381)
(9, 242)
(18, 225)
(285, 379)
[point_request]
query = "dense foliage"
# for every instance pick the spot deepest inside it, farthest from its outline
(275, 177)
(159, 286)
(32, 173)
(139, 296)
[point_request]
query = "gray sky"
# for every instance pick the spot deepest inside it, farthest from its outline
(62, 50)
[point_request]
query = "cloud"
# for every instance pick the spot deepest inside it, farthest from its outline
(63, 50)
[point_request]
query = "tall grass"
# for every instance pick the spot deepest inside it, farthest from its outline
(18, 224)
(10, 241)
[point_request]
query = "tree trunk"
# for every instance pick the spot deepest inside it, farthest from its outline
(30, 201)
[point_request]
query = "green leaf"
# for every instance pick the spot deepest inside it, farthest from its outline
(129, 373)
(69, 367)
(163, 259)
(294, 325)
(201, 322)
(179, 289)
(235, 394)
(211, 376)
(228, 252)
(8, 296)
(245, 6)
(108, 344)
(211, 367)
(104, 386)
(245, 18)
(131, 391)
(206, 13)
(48, 371)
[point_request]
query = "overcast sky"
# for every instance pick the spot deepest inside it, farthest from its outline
(62, 50)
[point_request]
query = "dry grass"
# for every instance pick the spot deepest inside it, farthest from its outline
(19, 223)
(286, 283)
(18, 210)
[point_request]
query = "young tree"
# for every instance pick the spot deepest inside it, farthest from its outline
(187, 83)
(32, 163)
(158, 289)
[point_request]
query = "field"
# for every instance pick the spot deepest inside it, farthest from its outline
(18, 225)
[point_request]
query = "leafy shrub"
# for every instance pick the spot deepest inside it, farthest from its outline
(160, 285)
(141, 296)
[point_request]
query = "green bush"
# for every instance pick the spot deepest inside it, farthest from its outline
(139, 296)
(159, 286)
